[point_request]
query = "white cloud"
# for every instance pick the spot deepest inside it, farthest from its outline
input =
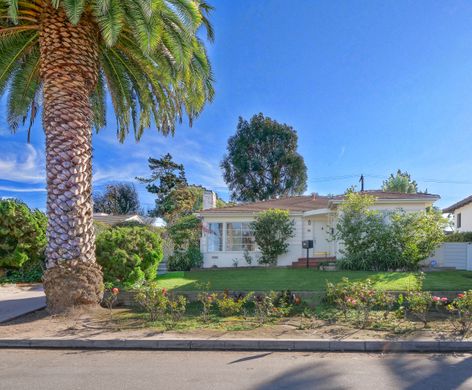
(21, 163)
(20, 189)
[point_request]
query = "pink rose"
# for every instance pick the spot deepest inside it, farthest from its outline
(444, 299)
(436, 299)
(115, 290)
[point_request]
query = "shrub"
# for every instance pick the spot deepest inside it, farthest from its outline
(231, 306)
(418, 304)
(272, 229)
(22, 234)
(461, 310)
(458, 237)
(377, 241)
(176, 307)
(185, 232)
(185, 260)
(358, 296)
(129, 255)
(264, 306)
(159, 304)
(153, 300)
(207, 300)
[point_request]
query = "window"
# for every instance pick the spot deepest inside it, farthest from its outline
(215, 237)
(240, 237)
(459, 220)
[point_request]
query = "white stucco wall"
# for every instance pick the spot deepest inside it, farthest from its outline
(317, 229)
(226, 258)
(466, 218)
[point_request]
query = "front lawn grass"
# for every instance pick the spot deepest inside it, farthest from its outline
(267, 279)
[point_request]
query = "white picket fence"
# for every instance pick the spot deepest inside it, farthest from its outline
(456, 255)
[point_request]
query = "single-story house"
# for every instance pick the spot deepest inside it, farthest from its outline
(227, 237)
(114, 219)
(462, 214)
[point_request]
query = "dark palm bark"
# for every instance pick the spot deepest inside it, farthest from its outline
(69, 71)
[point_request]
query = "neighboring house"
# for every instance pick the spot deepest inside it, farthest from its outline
(226, 233)
(112, 220)
(462, 214)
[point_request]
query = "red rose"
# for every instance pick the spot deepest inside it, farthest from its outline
(164, 291)
(460, 296)
(115, 290)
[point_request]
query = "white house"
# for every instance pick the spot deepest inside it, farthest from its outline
(462, 214)
(226, 233)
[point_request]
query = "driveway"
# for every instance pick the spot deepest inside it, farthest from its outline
(16, 301)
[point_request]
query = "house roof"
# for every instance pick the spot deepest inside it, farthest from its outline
(311, 202)
(461, 203)
(112, 220)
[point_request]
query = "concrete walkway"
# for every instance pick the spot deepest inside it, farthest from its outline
(16, 300)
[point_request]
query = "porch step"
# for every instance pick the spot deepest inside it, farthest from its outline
(313, 262)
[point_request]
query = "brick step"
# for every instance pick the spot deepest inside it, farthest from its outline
(313, 262)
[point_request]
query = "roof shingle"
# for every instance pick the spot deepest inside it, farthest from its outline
(309, 202)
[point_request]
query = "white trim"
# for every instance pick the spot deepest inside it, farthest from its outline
(317, 212)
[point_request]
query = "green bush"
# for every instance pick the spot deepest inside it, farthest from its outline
(129, 255)
(385, 241)
(461, 311)
(22, 234)
(272, 230)
(231, 306)
(185, 260)
(458, 237)
(359, 297)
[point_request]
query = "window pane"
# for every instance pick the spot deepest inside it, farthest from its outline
(215, 237)
(239, 237)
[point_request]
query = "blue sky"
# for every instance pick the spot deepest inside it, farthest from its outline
(370, 87)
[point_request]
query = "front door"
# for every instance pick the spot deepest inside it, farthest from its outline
(320, 237)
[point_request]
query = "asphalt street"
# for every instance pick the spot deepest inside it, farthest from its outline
(74, 369)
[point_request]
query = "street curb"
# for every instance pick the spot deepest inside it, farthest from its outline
(244, 345)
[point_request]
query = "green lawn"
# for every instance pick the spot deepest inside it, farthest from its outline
(308, 280)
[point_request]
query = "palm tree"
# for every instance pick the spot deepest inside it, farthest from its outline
(65, 55)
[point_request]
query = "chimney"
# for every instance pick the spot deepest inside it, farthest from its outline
(209, 200)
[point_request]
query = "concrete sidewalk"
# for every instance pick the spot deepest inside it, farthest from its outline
(16, 300)
(311, 345)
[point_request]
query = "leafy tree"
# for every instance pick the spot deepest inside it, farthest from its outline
(183, 201)
(400, 182)
(22, 234)
(383, 241)
(185, 232)
(262, 161)
(272, 229)
(129, 255)
(65, 56)
(166, 176)
(120, 199)
(185, 235)
(416, 235)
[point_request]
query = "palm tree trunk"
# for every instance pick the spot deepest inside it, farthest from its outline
(69, 71)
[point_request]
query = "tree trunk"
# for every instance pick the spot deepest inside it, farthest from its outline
(69, 72)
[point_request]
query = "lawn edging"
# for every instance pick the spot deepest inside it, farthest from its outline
(281, 345)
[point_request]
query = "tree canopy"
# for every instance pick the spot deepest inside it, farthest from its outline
(120, 198)
(400, 182)
(262, 161)
(166, 175)
(151, 60)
